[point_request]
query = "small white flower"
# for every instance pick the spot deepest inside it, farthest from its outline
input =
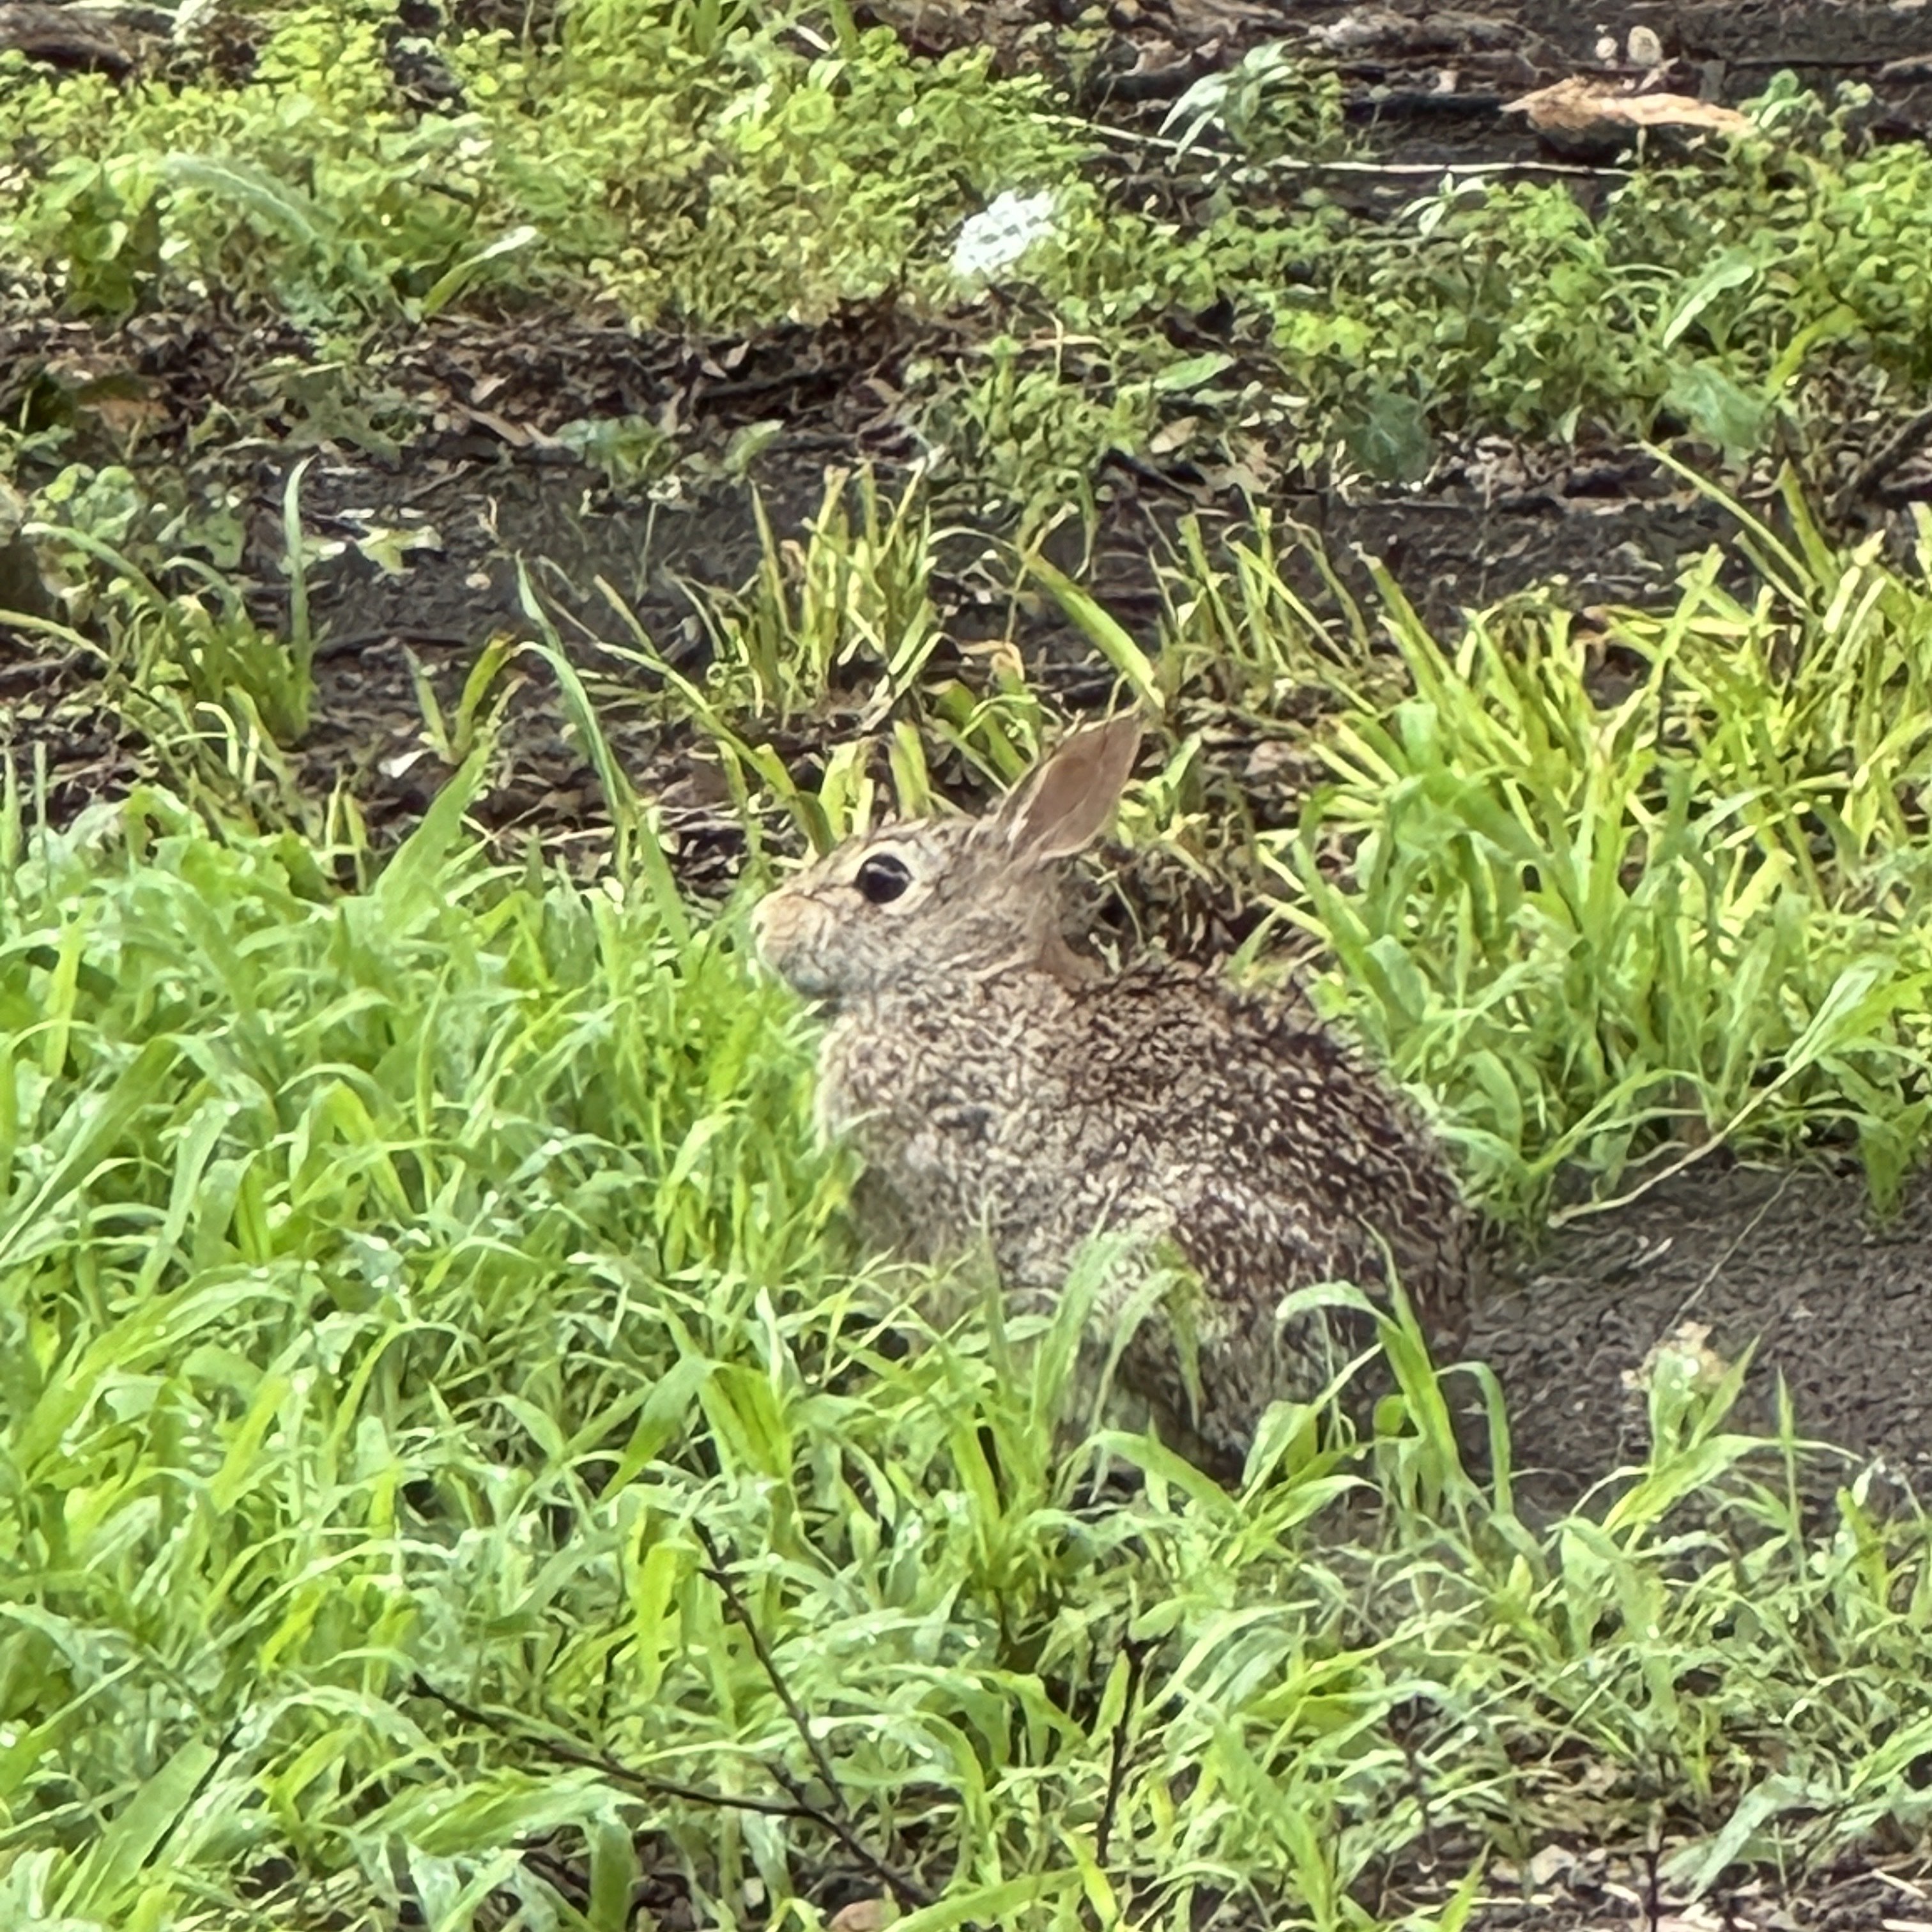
(999, 234)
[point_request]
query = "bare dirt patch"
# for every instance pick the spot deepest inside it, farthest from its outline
(1835, 1303)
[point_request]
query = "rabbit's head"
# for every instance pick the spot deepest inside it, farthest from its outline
(943, 898)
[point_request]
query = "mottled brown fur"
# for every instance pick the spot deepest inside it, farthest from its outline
(996, 1089)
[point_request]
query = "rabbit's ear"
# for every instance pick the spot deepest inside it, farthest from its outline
(1066, 803)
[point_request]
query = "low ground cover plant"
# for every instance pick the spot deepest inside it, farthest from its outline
(728, 168)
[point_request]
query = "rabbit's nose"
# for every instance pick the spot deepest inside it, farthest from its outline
(763, 923)
(776, 921)
(789, 933)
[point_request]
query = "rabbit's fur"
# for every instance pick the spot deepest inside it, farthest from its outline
(997, 1085)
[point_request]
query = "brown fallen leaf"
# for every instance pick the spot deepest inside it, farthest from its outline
(126, 418)
(862, 1914)
(1579, 109)
(518, 435)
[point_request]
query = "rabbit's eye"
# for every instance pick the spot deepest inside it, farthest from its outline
(882, 878)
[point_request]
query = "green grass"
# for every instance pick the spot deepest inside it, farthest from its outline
(291, 1181)
(454, 1456)
(1714, 296)
(1614, 891)
(400, 1285)
(1694, 910)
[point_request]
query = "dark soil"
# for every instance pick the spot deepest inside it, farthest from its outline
(1837, 1304)
(1582, 1889)
(457, 440)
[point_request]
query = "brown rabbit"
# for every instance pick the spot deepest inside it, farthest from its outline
(998, 1085)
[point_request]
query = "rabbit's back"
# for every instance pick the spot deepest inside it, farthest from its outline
(1289, 1160)
(1042, 1111)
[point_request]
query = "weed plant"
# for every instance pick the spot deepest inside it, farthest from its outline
(1617, 889)
(699, 161)
(1599, 914)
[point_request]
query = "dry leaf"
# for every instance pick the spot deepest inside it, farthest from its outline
(1680, 110)
(1362, 28)
(126, 417)
(1172, 436)
(518, 435)
(862, 1914)
(1581, 107)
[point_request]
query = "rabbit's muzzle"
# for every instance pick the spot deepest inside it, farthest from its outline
(790, 931)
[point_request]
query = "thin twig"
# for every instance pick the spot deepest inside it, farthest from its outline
(1653, 1888)
(613, 1768)
(1849, 65)
(907, 1889)
(1116, 1768)
(362, 640)
(735, 1603)
(1308, 164)
(1718, 1267)
(1721, 1137)
(910, 1893)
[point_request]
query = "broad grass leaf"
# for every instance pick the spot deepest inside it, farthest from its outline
(411, 887)
(1697, 1867)
(111, 1867)
(1007, 1901)
(1732, 269)
(1103, 631)
(1716, 407)
(277, 203)
(100, 1123)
